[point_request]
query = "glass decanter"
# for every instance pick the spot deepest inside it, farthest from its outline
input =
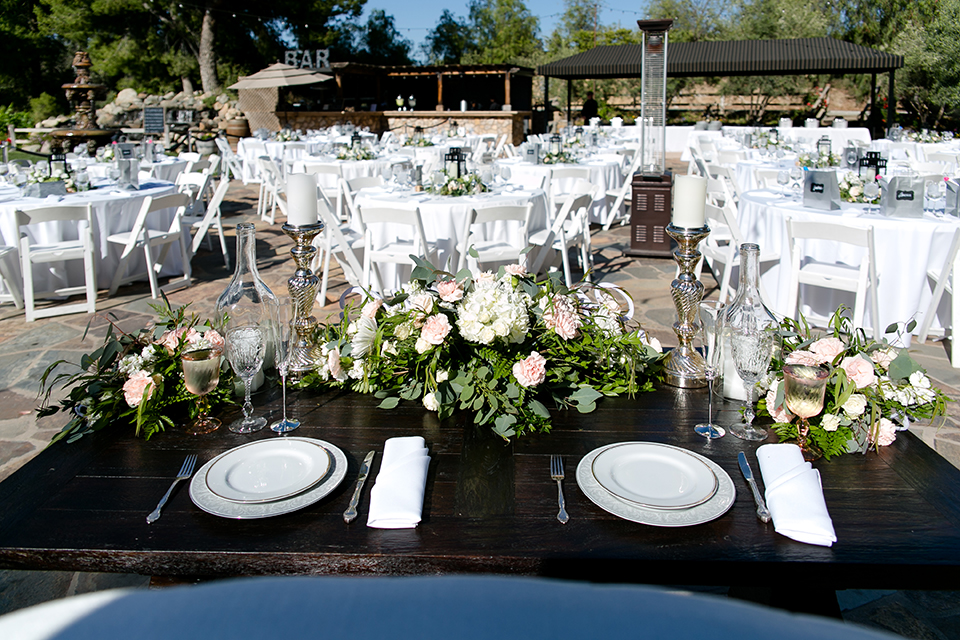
(246, 298)
(748, 323)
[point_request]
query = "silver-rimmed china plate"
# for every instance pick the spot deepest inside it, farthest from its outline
(711, 509)
(268, 470)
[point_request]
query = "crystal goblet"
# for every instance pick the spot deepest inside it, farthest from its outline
(201, 375)
(711, 314)
(804, 391)
(752, 351)
(246, 345)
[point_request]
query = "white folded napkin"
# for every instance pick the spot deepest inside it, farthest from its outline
(396, 500)
(794, 495)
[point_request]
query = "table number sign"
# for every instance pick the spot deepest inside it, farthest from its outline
(901, 197)
(821, 190)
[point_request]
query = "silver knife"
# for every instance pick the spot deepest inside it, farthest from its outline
(351, 513)
(762, 512)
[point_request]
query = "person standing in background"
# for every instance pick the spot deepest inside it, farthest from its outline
(589, 109)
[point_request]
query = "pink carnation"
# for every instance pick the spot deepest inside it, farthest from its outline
(450, 291)
(436, 328)
(828, 348)
(883, 357)
(371, 307)
(802, 357)
(859, 371)
(136, 386)
(560, 315)
(214, 338)
(885, 434)
(531, 371)
(515, 269)
(171, 339)
(333, 363)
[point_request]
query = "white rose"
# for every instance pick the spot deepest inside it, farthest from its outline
(855, 405)
(443, 375)
(830, 422)
(422, 345)
(855, 191)
(430, 402)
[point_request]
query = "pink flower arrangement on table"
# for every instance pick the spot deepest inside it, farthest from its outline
(501, 346)
(135, 378)
(874, 389)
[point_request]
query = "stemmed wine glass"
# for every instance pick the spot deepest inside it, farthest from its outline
(711, 314)
(933, 193)
(282, 321)
(246, 346)
(870, 191)
(783, 179)
(804, 391)
(201, 375)
(796, 174)
(752, 351)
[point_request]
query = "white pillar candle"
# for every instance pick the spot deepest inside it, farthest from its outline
(689, 198)
(302, 199)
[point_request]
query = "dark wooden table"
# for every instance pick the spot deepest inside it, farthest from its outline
(490, 507)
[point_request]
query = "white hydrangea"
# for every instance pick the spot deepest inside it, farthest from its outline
(357, 369)
(493, 310)
(130, 364)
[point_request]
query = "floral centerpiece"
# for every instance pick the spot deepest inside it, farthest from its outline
(767, 140)
(467, 185)
(564, 157)
(818, 161)
(873, 387)
(925, 136)
(851, 189)
(500, 347)
(134, 379)
(351, 152)
(417, 142)
(286, 135)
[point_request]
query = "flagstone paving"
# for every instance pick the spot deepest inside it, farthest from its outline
(26, 349)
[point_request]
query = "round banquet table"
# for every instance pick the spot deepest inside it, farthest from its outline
(905, 249)
(605, 173)
(114, 211)
(349, 168)
(165, 170)
(249, 149)
(443, 220)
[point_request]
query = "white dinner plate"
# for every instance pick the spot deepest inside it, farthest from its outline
(213, 504)
(654, 475)
(267, 470)
(712, 509)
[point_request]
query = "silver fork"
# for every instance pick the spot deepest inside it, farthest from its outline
(556, 474)
(185, 472)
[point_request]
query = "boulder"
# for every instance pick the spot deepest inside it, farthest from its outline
(169, 95)
(128, 98)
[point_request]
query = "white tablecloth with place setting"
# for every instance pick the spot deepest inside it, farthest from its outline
(605, 173)
(905, 249)
(114, 211)
(443, 221)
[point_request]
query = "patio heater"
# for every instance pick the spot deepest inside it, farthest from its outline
(651, 186)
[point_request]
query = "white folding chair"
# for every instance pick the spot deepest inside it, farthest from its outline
(149, 240)
(231, 161)
(398, 248)
(860, 280)
(32, 253)
(569, 229)
(340, 240)
(252, 148)
(10, 276)
(195, 186)
(767, 178)
(292, 151)
(729, 176)
(620, 209)
(480, 234)
(347, 199)
(200, 225)
(272, 190)
(330, 181)
(562, 185)
(942, 280)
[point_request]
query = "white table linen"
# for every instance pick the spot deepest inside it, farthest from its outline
(443, 221)
(114, 211)
(396, 498)
(794, 495)
(905, 249)
(605, 173)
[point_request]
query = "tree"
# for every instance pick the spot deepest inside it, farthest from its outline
(504, 32)
(381, 43)
(693, 20)
(30, 63)
(448, 41)
(150, 43)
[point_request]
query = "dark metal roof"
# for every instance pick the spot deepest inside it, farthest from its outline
(729, 58)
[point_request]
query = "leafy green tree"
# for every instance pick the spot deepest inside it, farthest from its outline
(693, 20)
(381, 43)
(30, 62)
(448, 41)
(504, 32)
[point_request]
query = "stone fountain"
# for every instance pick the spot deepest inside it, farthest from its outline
(82, 93)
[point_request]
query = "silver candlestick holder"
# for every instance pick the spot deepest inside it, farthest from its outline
(684, 366)
(303, 287)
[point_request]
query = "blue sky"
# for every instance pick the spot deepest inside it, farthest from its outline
(415, 18)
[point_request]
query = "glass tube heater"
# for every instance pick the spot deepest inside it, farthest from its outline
(653, 96)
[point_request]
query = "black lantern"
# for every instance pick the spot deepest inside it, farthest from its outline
(453, 128)
(823, 148)
(455, 162)
(873, 163)
(556, 144)
(58, 165)
(417, 134)
(355, 140)
(774, 137)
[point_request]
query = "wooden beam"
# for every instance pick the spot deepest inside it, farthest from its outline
(439, 92)
(506, 88)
